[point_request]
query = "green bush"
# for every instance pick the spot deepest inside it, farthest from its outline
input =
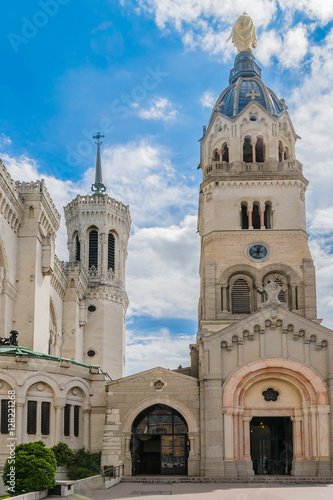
(84, 464)
(34, 468)
(63, 454)
(75, 473)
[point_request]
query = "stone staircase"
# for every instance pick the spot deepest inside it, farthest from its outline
(252, 479)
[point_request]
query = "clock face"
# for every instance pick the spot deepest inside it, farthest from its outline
(258, 251)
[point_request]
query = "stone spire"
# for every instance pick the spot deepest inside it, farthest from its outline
(98, 187)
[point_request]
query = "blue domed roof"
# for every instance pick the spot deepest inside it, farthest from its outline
(246, 86)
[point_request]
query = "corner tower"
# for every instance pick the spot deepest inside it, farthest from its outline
(252, 203)
(98, 229)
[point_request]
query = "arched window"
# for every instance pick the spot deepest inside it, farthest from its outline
(240, 297)
(267, 216)
(225, 152)
(260, 150)
(247, 150)
(159, 441)
(245, 217)
(281, 151)
(77, 248)
(93, 249)
(256, 217)
(111, 251)
(216, 156)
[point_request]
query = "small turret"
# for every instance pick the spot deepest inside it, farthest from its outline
(98, 229)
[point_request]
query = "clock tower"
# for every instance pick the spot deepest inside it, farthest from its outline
(252, 205)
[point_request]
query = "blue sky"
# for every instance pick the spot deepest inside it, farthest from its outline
(146, 73)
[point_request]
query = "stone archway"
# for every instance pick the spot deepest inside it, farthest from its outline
(302, 396)
(193, 431)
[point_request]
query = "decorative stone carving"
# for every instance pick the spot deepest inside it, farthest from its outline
(272, 289)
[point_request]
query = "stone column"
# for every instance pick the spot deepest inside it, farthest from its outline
(86, 428)
(247, 438)
(19, 422)
(249, 213)
(313, 431)
(236, 434)
(297, 433)
(262, 216)
(306, 434)
(103, 260)
(224, 298)
(253, 143)
(58, 423)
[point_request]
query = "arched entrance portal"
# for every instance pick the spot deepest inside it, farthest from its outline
(278, 400)
(159, 442)
(271, 445)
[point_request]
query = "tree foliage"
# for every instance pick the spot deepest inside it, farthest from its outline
(35, 467)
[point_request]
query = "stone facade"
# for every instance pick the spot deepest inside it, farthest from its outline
(70, 316)
(257, 398)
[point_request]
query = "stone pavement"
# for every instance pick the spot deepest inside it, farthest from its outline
(208, 491)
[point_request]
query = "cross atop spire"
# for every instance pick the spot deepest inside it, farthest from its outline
(98, 187)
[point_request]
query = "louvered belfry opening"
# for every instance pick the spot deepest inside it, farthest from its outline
(240, 297)
(282, 295)
(93, 248)
(77, 248)
(111, 251)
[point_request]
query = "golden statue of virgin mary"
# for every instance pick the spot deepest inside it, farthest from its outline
(243, 34)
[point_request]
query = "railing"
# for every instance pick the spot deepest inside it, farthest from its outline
(111, 472)
(216, 166)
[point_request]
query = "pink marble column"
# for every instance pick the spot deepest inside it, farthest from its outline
(247, 438)
(297, 433)
(306, 434)
(236, 434)
(313, 430)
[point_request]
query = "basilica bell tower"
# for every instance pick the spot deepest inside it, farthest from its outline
(98, 230)
(252, 202)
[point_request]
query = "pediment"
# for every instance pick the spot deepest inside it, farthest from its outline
(273, 318)
(154, 374)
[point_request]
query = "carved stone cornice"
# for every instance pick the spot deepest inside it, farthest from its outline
(249, 182)
(111, 294)
(246, 234)
(97, 208)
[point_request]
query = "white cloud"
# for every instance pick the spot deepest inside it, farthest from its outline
(149, 350)
(295, 46)
(5, 140)
(140, 174)
(270, 45)
(160, 109)
(162, 270)
(208, 99)
(317, 10)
